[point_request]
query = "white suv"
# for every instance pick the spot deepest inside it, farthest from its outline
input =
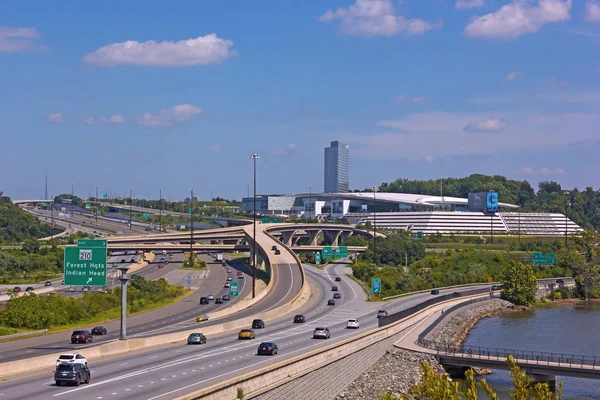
(352, 324)
(75, 358)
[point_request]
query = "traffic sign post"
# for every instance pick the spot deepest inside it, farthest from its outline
(233, 289)
(552, 259)
(344, 251)
(419, 235)
(327, 253)
(376, 285)
(85, 266)
(538, 258)
(337, 253)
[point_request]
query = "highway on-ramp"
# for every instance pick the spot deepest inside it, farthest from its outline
(165, 373)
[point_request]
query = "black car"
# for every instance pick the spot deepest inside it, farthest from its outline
(559, 281)
(29, 289)
(81, 336)
(299, 319)
(337, 296)
(72, 373)
(274, 248)
(268, 348)
(226, 297)
(258, 324)
(331, 302)
(203, 300)
(277, 252)
(496, 287)
(218, 300)
(435, 291)
(99, 330)
(196, 338)
(334, 288)
(338, 279)
(48, 283)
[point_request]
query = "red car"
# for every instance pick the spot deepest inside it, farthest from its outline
(81, 336)
(160, 265)
(239, 273)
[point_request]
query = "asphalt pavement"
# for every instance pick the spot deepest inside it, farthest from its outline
(168, 372)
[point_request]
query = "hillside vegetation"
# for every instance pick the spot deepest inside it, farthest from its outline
(16, 225)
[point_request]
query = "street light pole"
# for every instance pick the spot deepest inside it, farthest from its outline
(254, 157)
(191, 225)
(130, 206)
(160, 212)
(124, 278)
(96, 203)
(374, 226)
(310, 206)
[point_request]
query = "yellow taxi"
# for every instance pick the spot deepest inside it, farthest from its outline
(199, 318)
(246, 334)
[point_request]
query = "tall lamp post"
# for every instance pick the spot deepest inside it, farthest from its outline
(130, 206)
(191, 225)
(374, 226)
(160, 212)
(254, 157)
(310, 206)
(96, 203)
(567, 221)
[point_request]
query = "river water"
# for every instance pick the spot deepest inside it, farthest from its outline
(570, 329)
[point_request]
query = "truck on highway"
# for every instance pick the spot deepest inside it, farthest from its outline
(219, 257)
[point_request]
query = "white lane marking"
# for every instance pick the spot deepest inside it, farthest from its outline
(153, 357)
(114, 394)
(123, 364)
(289, 290)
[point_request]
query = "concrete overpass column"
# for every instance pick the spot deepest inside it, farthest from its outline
(344, 236)
(287, 237)
(313, 237)
(332, 237)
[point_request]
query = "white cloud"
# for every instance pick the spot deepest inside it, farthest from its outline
(170, 116)
(14, 40)
(519, 18)
(592, 11)
(55, 118)
(215, 147)
(398, 99)
(425, 159)
(466, 4)
(542, 171)
(441, 134)
(203, 50)
(376, 17)
(115, 119)
(511, 77)
(420, 100)
(486, 125)
(288, 149)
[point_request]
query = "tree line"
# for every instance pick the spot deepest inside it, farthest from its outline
(16, 225)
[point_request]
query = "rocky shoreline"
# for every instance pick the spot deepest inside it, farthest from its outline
(398, 370)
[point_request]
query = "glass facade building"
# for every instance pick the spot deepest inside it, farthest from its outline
(337, 160)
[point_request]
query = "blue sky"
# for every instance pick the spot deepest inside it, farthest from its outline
(178, 95)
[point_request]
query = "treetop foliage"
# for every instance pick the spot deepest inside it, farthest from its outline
(16, 225)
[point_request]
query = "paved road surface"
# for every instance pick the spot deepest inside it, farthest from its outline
(168, 372)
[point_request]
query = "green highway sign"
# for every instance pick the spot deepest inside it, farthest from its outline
(552, 259)
(344, 251)
(233, 289)
(327, 253)
(538, 258)
(317, 258)
(87, 205)
(265, 220)
(191, 210)
(145, 215)
(91, 243)
(419, 235)
(85, 266)
(337, 253)
(275, 220)
(376, 285)
(105, 195)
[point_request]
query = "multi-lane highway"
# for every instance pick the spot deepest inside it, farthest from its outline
(175, 370)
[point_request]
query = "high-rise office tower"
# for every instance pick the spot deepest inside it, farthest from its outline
(337, 158)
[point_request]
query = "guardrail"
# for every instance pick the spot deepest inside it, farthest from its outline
(499, 354)
(437, 299)
(21, 334)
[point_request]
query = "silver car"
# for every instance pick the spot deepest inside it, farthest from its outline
(321, 332)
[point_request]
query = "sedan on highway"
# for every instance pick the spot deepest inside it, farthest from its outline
(321, 332)
(228, 270)
(334, 288)
(258, 324)
(229, 279)
(435, 292)
(211, 297)
(48, 283)
(246, 334)
(382, 313)
(337, 296)
(196, 338)
(218, 300)
(72, 373)
(203, 300)
(73, 358)
(299, 319)
(29, 289)
(81, 336)
(267, 348)
(227, 284)
(226, 297)
(99, 330)
(331, 302)
(352, 323)
(338, 279)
